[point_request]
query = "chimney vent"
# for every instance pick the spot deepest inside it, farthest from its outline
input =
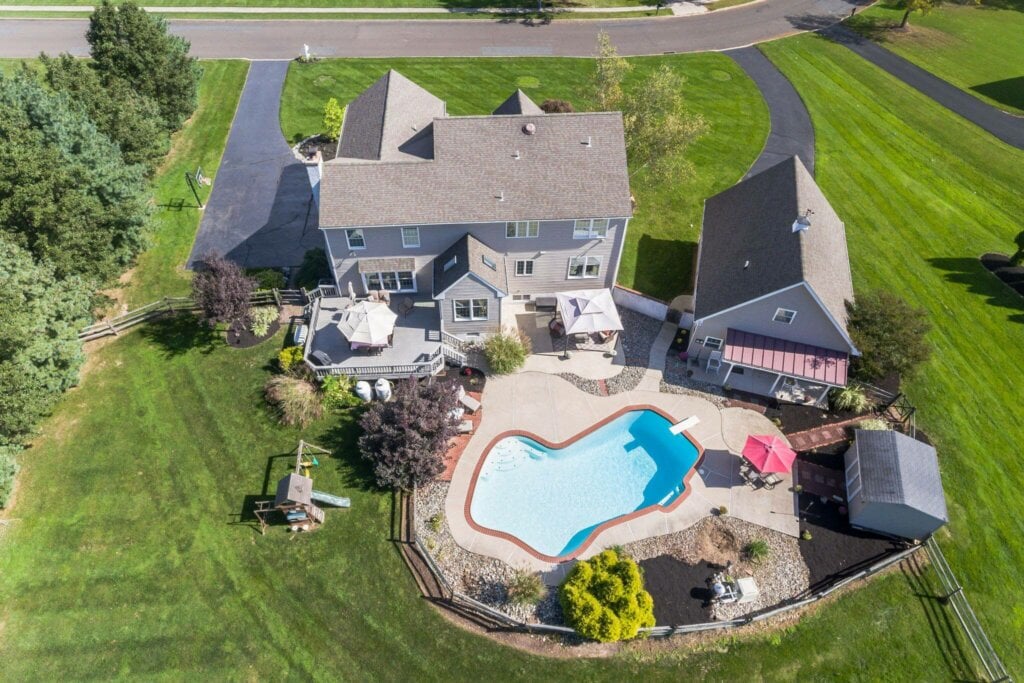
(530, 128)
(589, 142)
(803, 222)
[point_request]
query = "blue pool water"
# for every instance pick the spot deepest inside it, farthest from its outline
(553, 499)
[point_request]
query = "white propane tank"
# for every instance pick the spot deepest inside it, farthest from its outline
(383, 389)
(364, 391)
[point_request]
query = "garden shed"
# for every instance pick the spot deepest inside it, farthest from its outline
(893, 485)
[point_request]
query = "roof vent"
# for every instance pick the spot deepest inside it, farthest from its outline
(530, 128)
(516, 155)
(501, 196)
(746, 264)
(803, 222)
(588, 143)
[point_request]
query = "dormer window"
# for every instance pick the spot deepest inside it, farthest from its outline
(784, 315)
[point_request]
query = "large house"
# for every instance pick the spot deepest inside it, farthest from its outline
(772, 284)
(472, 211)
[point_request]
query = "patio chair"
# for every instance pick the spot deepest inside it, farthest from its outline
(750, 477)
(466, 427)
(469, 403)
(322, 358)
(406, 306)
(771, 480)
(714, 362)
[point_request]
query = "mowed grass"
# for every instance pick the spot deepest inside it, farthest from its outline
(662, 237)
(125, 556)
(923, 193)
(159, 271)
(977, 48)
(448, 4)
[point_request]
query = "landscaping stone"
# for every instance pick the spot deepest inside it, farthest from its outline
(675, 381)
(639, 332)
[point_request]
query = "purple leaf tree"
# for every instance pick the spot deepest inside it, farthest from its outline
(221, 290)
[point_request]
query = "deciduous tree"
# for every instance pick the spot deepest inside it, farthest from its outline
(334, 115)
(889, 333)
(405, 439)
(221, 290)
(608, 74)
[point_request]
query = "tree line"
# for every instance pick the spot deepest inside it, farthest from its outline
(79, 141)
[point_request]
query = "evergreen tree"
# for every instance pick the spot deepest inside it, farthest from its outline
(66, 194)
(40, 353)
(131, 120)
(129, 44)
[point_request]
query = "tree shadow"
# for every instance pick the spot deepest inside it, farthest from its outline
(665, 268)
(1009, 91)
(970, 272)
(342, 440)
(179, 333)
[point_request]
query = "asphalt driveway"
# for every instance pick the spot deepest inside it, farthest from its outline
(261, 211)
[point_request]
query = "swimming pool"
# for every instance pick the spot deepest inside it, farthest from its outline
(554, 498)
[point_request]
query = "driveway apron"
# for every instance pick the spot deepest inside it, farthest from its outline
(261, 212)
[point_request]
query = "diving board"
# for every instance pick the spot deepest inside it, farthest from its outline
(688, 423)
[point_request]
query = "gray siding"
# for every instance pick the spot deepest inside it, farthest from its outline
(810, 326)
(470, 288)
(550, 268)
(893, 519)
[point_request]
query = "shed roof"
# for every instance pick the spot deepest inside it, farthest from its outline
(895, 468)
(471, 256)
(788, 357)
(294, 488)
(748, 247)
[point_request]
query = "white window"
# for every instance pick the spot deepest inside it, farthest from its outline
(489, 262)
(590, 228)
(451, 263)
(356, 239)
(391, 281)
(521, 229)
(410, 237)
(784, 315)
(521, 297)
(469, 309)
(524, 268)
(584, 267)
(713, 343)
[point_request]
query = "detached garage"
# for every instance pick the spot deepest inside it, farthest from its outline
(893, 485)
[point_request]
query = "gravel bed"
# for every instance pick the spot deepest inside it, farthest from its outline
(481, 578)
(675, 381)
(780, 576)
(637, 336)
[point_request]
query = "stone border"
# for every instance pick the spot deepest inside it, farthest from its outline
(622, 519)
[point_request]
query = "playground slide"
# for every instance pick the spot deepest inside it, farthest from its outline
(328, 499)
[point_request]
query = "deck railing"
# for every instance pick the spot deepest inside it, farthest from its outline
(429, 367)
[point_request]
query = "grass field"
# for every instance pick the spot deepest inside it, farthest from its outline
(525, 17)
(979, 49)
(663, 233)
(923, 193)
(449, 4)
(159, 271)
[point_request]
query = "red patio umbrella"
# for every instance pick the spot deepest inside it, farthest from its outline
(768, 454)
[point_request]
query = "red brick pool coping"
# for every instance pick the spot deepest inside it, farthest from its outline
(562, 444)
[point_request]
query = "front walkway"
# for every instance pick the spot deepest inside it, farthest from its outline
(555, 410)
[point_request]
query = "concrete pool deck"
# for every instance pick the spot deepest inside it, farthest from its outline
(554, 409)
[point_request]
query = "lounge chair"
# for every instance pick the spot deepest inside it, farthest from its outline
(466, 427)
(322, 358)
(770, 480)
(469, 403)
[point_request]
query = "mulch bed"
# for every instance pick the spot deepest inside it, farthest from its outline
(680, 342)
(238, 335)
(680, 590)
(329, 148)
(799, 418)
(475, 381)
(836, 549)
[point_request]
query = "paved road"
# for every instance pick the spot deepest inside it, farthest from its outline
(791, 130)
(1006, 127)
(721, 30)
(261, 211)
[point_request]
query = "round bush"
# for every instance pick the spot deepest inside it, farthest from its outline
(506, 352)
(850, 398)
(289, 358)
(603, 598)
(267, 278)
(261, 318)
(874, 424)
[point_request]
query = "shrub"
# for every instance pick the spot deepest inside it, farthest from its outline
(8, 470)
(261, 318)
(603, 598)
(296, 401)
(267, 278)
(557, 107)
(850, 398)
(334, 116)
(722, 511)
(290, 358)
(221, 290)
(405, 439)
(890, 335)
(874, 424)
(805, 535)
(506, 351)
(757, 551)
(526, 589)
(436, 522)
(314, 268)
(337, 391)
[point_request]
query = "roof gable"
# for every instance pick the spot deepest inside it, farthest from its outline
(516, 104)
(749, 248)
(468, 256)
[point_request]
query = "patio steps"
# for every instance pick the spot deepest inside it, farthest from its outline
(821, 436)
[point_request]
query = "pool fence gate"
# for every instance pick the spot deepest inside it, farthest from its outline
(443, 593)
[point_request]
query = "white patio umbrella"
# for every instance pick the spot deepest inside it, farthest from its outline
(368, 322)
(588, 310)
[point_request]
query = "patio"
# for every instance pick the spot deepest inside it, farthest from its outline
(555, 410)
(415, 346)
(757, 381)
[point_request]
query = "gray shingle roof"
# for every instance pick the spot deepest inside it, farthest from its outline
(472, 174)
(517, 103)
(895, 468)
(294, 488)
(469, 254)
(752, 222)
(389, 121)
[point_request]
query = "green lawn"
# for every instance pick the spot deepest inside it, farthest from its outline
(363, 16)
(663, 234)
(979, 49)
(923, 193)
(160, 270)
(451, 4)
